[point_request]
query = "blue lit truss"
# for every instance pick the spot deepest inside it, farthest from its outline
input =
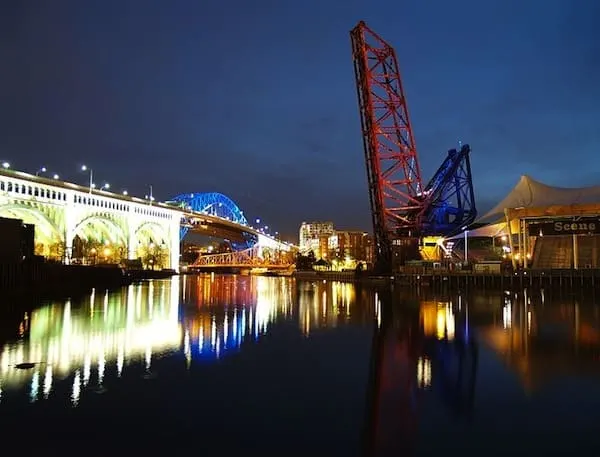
(451, 196)
(212, 204)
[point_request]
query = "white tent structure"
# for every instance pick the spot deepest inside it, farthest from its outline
(529, 193)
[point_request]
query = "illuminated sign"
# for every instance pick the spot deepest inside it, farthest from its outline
(566, 227)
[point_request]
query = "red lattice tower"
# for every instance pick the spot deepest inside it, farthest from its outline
(393, 171)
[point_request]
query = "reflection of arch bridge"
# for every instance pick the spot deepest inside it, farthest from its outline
(72, 221)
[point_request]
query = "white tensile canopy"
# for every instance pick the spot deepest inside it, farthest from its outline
(529, 193)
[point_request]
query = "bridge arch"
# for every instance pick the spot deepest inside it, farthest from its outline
(152, 245)
(98, 238)
(48, 235)
(212, 203)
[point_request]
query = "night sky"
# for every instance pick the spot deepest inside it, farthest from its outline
(256, 99)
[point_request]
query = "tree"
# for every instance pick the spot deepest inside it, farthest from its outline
(305, 262)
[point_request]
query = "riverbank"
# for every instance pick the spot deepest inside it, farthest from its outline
(588, 278)
(342, 276)
(54, 280)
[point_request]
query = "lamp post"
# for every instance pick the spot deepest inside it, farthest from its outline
(150, 197)
(41, 170)
(85, 168)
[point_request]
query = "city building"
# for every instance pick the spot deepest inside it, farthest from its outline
(17, 240)
(314, 237)
(341, 248)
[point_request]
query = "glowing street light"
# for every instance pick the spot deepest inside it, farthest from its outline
(105, 186)
(55, 176)
(41, 170)
(6, 165)
(125, 193)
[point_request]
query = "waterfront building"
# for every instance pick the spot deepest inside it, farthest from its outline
(344, 248)
(541, 226)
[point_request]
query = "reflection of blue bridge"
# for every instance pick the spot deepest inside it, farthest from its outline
(217, 336)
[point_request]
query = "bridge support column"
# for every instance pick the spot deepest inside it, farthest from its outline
(132, 241)
(69, 232)
(174, 248)
(131, 245)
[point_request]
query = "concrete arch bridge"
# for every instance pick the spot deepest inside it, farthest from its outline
(77, 224)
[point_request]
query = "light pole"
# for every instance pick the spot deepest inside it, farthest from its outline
(41, 170)
(150, 196)
(84, 168)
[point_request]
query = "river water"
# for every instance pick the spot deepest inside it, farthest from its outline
(272, 366)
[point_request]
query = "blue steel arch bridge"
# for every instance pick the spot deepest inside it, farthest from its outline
(218, 205)
(249, 246)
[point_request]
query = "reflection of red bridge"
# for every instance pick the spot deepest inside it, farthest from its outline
(407, 349)
(254, 257)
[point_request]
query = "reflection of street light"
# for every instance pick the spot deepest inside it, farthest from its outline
(41, 170)
(466, 245)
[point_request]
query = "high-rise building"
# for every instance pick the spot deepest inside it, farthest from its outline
(342, 246)
(353, 244)
(311, 234)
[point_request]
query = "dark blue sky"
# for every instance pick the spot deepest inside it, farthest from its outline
(256, 99)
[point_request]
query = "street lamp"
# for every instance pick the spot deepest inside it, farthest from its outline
(55, 176)
(85, 168)
(105, 186)
(150, 196)
(41, 170)
(125, 193)
(5, 165)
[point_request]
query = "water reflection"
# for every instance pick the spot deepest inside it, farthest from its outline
(417, 348)
(79, 340)
(82, 342)
(328, 304)
(449, 352)
(429, 350)
(224, 311)
(541, 339)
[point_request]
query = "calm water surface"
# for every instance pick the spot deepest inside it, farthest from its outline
(272, 366)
